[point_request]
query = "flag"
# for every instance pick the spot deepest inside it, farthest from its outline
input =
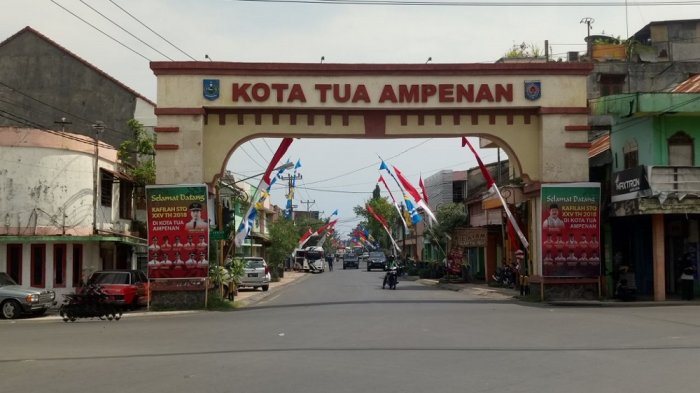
(378, 216)
(324, 227)
(245, 228)
(298, 164)
(412, 211)
(284, 145)
(414, 193)
(335, 213)
(492, 185)
(304, 238)
(422, 188)
(396, 205)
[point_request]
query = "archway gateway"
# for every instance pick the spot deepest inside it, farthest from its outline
(536, 112)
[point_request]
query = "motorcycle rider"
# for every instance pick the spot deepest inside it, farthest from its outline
(393, 266)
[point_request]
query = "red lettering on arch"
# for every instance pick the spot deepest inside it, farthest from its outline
(427, 91)
(445, 93)
(465, 93)
(504, 93)
(240, 92)
(388, 94)
(260, 92)
(323, 89)
(409, 93)
(361, 94)
(484, 94)
(279, 89)
(296, 94)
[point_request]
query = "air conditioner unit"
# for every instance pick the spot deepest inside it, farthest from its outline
(572, 56)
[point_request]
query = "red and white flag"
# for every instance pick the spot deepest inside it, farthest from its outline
(396, 205)
(492, 185)
(422, 188)
(414, 194)
(305, 237)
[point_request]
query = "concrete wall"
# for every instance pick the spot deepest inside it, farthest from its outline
(40, 69)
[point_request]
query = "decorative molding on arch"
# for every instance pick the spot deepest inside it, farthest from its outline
(179, 111)
(577, 145)
(577, 128)
(166, 129)
(564, 111)
(164, 146)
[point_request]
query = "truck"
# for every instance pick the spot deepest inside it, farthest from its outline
(314, 259)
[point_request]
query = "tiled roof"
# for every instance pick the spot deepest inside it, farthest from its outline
(690, 85)
(599, 145)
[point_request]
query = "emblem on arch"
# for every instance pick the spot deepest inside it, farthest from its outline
(533, 90)
(211, 89)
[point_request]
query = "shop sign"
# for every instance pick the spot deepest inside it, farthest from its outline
(629, 184)
(469, 237)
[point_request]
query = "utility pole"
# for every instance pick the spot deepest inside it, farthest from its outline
(291, 180)
(589, 45)
(308, 204)
(63, 122)
(98, 127)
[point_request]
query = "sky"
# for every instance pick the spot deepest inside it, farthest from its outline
(337, 174)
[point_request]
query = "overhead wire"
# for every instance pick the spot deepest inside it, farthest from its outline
(482, 3)
(101, 31)
(151, 30)
(125, 30)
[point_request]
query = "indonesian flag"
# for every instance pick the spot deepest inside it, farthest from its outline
(323, 228)
(393, 200)
(265, 183)
(422, 188)
(414, 194)
(305, 237)
(378, 216)
(492, 185)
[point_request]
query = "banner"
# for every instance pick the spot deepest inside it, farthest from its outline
(571, 229)
(178, 231)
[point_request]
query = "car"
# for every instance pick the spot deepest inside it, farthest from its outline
(256, 275)
(365, 255)
(351, 260)
(16, 300)
(123, 287)
(376, 260)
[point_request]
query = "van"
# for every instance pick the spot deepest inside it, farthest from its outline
(299, 260)
(314, 260)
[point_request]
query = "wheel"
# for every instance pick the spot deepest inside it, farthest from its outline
(265, 288)
(11, 309)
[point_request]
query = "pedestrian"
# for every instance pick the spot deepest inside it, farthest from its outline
(329, 259)
(688, 283)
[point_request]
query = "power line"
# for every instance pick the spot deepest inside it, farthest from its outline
(151, 30)
(125, 30)
(98, 29)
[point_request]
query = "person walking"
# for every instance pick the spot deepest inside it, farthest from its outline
(688, 283)
(329, 259)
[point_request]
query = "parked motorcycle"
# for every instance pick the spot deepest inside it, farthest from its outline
(90, 302)
(391, 278)
(505, 276)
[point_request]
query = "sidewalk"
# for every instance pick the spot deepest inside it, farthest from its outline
(249, 296)
(497, 293)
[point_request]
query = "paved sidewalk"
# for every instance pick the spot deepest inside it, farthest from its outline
(249, 296)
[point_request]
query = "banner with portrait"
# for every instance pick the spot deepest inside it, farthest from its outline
(571, 229)
(178, 231)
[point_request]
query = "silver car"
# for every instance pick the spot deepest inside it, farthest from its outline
(256, 275)
(15, 300)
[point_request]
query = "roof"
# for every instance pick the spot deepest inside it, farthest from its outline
(599, 146)
(78, 58)
(690, 85)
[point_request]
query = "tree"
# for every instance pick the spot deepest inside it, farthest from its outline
(137, 155)
(284, 238)
(449, 216)
(523, 50)
(385, 209)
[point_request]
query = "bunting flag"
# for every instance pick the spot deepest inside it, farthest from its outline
(323, 228)
(378, 216)
(422, 188)
(492, 185)
(393, 200)
(335, 213)
(412, 211)
(414, 219)
(247, 224)
(305, 237)
(416, 196)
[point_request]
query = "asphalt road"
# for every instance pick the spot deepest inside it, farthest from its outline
(340, 332)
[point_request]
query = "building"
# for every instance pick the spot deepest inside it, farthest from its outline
(67, 210)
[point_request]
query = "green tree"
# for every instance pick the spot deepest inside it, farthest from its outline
(284, 238)
(137, 155)
(449, 216)
(382, 207)
(523, 50)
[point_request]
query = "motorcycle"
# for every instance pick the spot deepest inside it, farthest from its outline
(89, 302)
(505, 276)
(391, 278)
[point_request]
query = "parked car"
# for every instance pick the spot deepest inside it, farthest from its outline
(376, 260)
(257, 273)
(16, 300)
(124, 287)
(351, 260)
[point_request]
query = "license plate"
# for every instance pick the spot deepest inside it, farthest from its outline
(252, 274)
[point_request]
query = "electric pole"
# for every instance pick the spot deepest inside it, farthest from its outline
(291, 180)
(98, 127)
(308, 204)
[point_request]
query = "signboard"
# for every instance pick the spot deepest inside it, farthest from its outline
(571, 229)
(630, 184)
(217, 235)
(469, 237)
(178, 231)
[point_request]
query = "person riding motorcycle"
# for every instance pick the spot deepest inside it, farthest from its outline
(393, 269)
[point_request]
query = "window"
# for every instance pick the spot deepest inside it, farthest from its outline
(680, 150)
(610, 84)
(126, 195)
(59, 265)
(106, 183)
(77, 265)
(14, 262)
(631, 154)
(38, 267)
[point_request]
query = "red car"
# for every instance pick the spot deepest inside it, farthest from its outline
(124, 287)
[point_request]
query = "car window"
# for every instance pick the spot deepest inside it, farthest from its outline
(254, 263)
(110, 278)
(5, 279)
(377, 255)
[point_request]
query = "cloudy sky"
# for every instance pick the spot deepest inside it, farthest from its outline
(270, 31)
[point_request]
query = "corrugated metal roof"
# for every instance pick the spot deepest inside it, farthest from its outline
(690, 85)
